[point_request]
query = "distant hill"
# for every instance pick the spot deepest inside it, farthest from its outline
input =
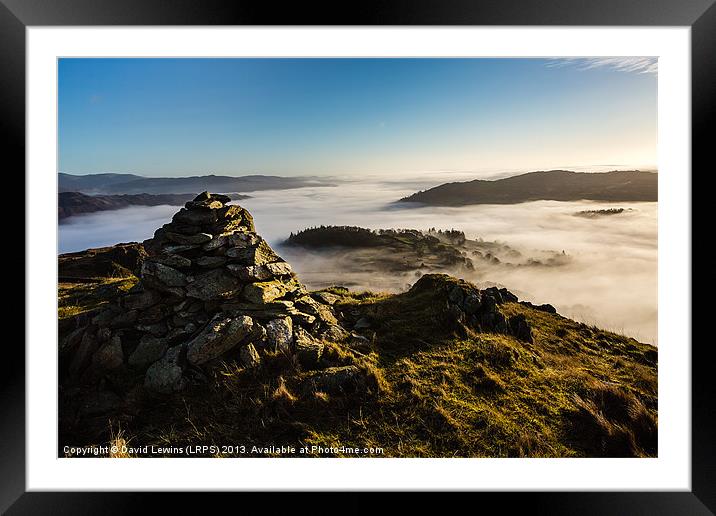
(91, 183)
(554, 185)
(392, 258)
(75, 203)
(133, 184)
(593, 214)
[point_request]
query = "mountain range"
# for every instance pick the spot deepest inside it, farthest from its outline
(75, 203)
(133, 184)
(555, 185)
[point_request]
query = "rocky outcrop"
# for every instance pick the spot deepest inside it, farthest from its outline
(116, 261)
(467, 306)
(210, 289)
(336, 380)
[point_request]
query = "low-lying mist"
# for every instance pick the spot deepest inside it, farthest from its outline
(611, 280)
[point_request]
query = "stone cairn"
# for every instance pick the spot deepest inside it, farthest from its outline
(210, 289)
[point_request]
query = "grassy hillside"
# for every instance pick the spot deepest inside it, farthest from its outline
(412, 379)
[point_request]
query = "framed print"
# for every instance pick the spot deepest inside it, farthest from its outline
(422, 249)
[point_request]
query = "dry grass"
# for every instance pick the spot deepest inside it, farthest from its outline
(118, 443)
(281, 394)
(430, 390)
(77, 298)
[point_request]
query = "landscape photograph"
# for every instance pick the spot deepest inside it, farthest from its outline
(357, 257)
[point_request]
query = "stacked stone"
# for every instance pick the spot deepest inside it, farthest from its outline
(210, 287)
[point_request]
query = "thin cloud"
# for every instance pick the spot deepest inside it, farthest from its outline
(648, 65)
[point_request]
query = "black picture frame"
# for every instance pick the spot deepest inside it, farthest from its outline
(16, 15)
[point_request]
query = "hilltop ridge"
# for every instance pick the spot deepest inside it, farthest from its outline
(76, 203)
(556, 185)
(112, 184)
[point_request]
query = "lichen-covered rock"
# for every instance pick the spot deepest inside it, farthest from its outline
(472, 302)
(157, 329)
(210, 197)
(493, 321)
(279, 334)
(149, 350)
(263, 312)
(336, 380)
(257, 255)
(110, 355)
(154, 314)
(177, 248)
(237, 219)
(324, 313)
(88, 345)
(520, 328)
(214, 284)
(105, 316)
(264, 292)
(252, 273)
(308, 349)
(302, 318)
(334, 332)
(72, 340)
(124, 319)
(456, 295)
(141, 300)
(230, 212)
(159, 276)
(220, 335)
(326, 297)
(258, 333)
(216, 242)
(198, 238)
(184, 229)
(166, 375)
(196, 216)
(500, 295)
(243, 239)
(172, 260)
(210, 262)
(174, 294)
(249, 356)
(103, 335)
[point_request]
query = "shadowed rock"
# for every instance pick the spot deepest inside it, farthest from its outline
(249, 356)
(166, 375)
(219, 336)
(213, 285)
(279, 334)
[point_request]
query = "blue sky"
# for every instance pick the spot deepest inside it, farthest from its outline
(179, 117)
